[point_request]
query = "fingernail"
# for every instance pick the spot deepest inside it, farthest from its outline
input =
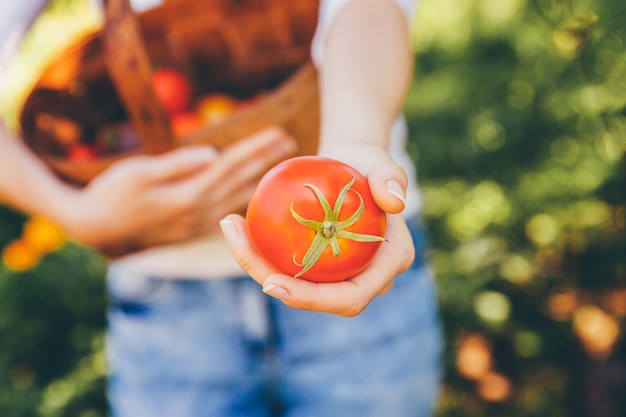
(229, 230)
(396, 190)
(201, 156)
(277, 292)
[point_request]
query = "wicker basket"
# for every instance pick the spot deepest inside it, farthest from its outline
(240, 47)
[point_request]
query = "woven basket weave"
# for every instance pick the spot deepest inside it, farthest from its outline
(241, 47)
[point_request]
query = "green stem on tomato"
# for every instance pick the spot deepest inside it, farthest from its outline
(330, 230)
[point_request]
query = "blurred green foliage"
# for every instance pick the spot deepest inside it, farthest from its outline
(518, 120)
(51, 323)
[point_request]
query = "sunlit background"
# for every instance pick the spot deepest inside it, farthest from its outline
(518, 124)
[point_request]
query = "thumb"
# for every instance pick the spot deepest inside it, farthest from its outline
(176, 163)
(388, 183)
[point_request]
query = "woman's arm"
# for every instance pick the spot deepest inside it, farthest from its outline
(26, 184)
(112, 208)
(366, 72)
(364, 75)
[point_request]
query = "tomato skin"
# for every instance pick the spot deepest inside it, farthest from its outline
(172, 88)
(280, 238)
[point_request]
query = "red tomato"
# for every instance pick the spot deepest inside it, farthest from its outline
(172, 89)
(303, 218)
(81, 153)
(185, 123)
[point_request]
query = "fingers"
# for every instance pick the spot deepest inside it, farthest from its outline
(294, 292)
(228, 184)
(350, 298)
(272, 140)
(395, 256)
(250, 158)
(168, 166)
(344, 298)
(388, 183)
(347, 298)
(247, 157)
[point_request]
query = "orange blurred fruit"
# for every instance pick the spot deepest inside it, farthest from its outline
(597, 330)
(42, 235)
(562, 303)
(185, 123)
(494, 387)
(212, 108)
(473, 357)
(67, 132)
(18, 255)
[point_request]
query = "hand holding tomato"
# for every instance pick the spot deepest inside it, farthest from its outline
(350, 297)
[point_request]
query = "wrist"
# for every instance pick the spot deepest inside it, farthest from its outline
(349, 149)
(63, 208)
(70, 210)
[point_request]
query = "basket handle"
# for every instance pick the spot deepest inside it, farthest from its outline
(128, 65)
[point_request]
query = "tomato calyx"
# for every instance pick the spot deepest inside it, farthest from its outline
(330, 230)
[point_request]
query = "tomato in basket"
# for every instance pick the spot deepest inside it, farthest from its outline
(172, 88)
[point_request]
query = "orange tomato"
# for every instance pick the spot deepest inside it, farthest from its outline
(42, 235)
(67, 132)
(185, 123)
(212, 108)
(18, 255)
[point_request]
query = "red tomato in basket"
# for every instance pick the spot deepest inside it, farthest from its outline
(172, 89)
(185, 123)
(82, 153)
(315, 218)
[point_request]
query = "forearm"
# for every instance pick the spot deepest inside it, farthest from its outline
(26, 184)
(367, 68)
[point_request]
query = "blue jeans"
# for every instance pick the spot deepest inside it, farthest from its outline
(222, 348)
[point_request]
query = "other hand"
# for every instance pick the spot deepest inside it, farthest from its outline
(151, 200)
